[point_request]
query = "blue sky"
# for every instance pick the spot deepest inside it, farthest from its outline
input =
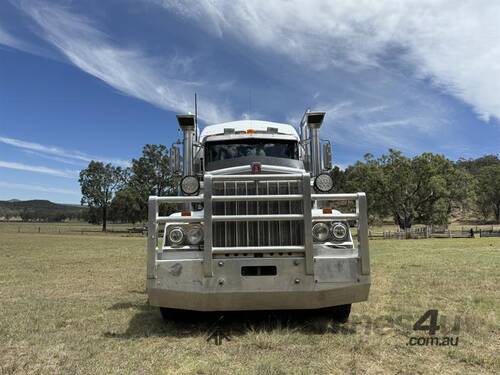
(98, 80)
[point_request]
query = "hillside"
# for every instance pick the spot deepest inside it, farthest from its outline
(38, 210)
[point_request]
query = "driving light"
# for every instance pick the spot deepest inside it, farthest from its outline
(320, 232)
(339, 231)
(176, 236)
(323, 183)
(194, 234)
(190, 185)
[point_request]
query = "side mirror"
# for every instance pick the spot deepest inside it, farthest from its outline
(303, 155)
(327, 156)
(198, 159)
(175, 160)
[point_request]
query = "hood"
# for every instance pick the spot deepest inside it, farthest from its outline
(265, 169)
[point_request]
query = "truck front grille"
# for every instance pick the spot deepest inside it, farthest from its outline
(262, 233)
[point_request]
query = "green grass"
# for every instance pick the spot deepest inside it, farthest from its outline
(76, 304)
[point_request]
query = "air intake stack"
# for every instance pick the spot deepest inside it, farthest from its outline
(314, 120)
(187, 123)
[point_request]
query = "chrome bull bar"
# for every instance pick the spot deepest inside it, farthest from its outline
(208, 218)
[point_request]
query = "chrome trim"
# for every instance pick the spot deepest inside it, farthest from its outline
(279, 217)
(207, 241)
(308, 240)
(256, 177)
(254, 198)
(285, 235)
(260, 249)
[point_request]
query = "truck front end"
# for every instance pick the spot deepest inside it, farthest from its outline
(258, 229)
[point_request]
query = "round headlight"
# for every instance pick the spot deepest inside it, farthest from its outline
(194, 234)
(190, 185)
(339, 231)
(176, 236)
(323, 183)
(320, 232)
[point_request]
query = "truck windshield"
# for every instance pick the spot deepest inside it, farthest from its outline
(232, 149)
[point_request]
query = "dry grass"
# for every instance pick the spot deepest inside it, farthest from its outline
(76, 304)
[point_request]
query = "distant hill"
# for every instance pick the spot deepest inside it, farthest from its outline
(39, 210)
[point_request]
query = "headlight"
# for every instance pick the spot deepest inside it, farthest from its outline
(339, 231)
(320, 232)
(190, 185)
(323, 183)
(194, 234)
(176, 236)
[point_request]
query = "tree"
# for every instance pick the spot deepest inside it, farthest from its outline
(486, 171)
(368, 176)
(443, 187)
(98, 184)
(339, 179)
(421, 189)
(151, 175)
(125, 207)
(489, 190)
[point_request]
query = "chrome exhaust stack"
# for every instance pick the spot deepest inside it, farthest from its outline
(314, 120)
(187, 123)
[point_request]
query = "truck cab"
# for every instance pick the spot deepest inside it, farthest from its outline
(257, 226)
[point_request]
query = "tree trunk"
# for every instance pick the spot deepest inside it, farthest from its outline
(104, 218)
(497, 212)
(403, 221)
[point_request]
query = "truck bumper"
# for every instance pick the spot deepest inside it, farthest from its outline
(180, 284)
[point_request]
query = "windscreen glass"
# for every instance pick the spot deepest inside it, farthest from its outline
(233, 149)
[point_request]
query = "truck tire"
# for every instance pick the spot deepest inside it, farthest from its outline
(341, 313)
(170, 314)
(178, 315)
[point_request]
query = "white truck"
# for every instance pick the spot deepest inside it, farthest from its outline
(258, 228)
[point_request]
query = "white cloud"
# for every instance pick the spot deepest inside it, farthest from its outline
(9, 40)
(455, 44)
(128, 70)
(39, 169)
(80, 163)
(37, 188)
(60, 154)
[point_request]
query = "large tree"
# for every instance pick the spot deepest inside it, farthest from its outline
(486, 170)
(151, 175)
(489, 190)
(125, 206)
(423, 188)
(98, 183)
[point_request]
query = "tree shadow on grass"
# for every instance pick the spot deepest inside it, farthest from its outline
(148, 322)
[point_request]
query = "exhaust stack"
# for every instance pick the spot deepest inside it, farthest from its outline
(187, 123)
(314, 120)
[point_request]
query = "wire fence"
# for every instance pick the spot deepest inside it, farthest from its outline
(140, 230)
(430, 232)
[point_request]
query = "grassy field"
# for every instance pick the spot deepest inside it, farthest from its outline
(76, 304)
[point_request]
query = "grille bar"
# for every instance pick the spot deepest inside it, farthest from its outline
(267, 218)
(250, 213)
(262, 249)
